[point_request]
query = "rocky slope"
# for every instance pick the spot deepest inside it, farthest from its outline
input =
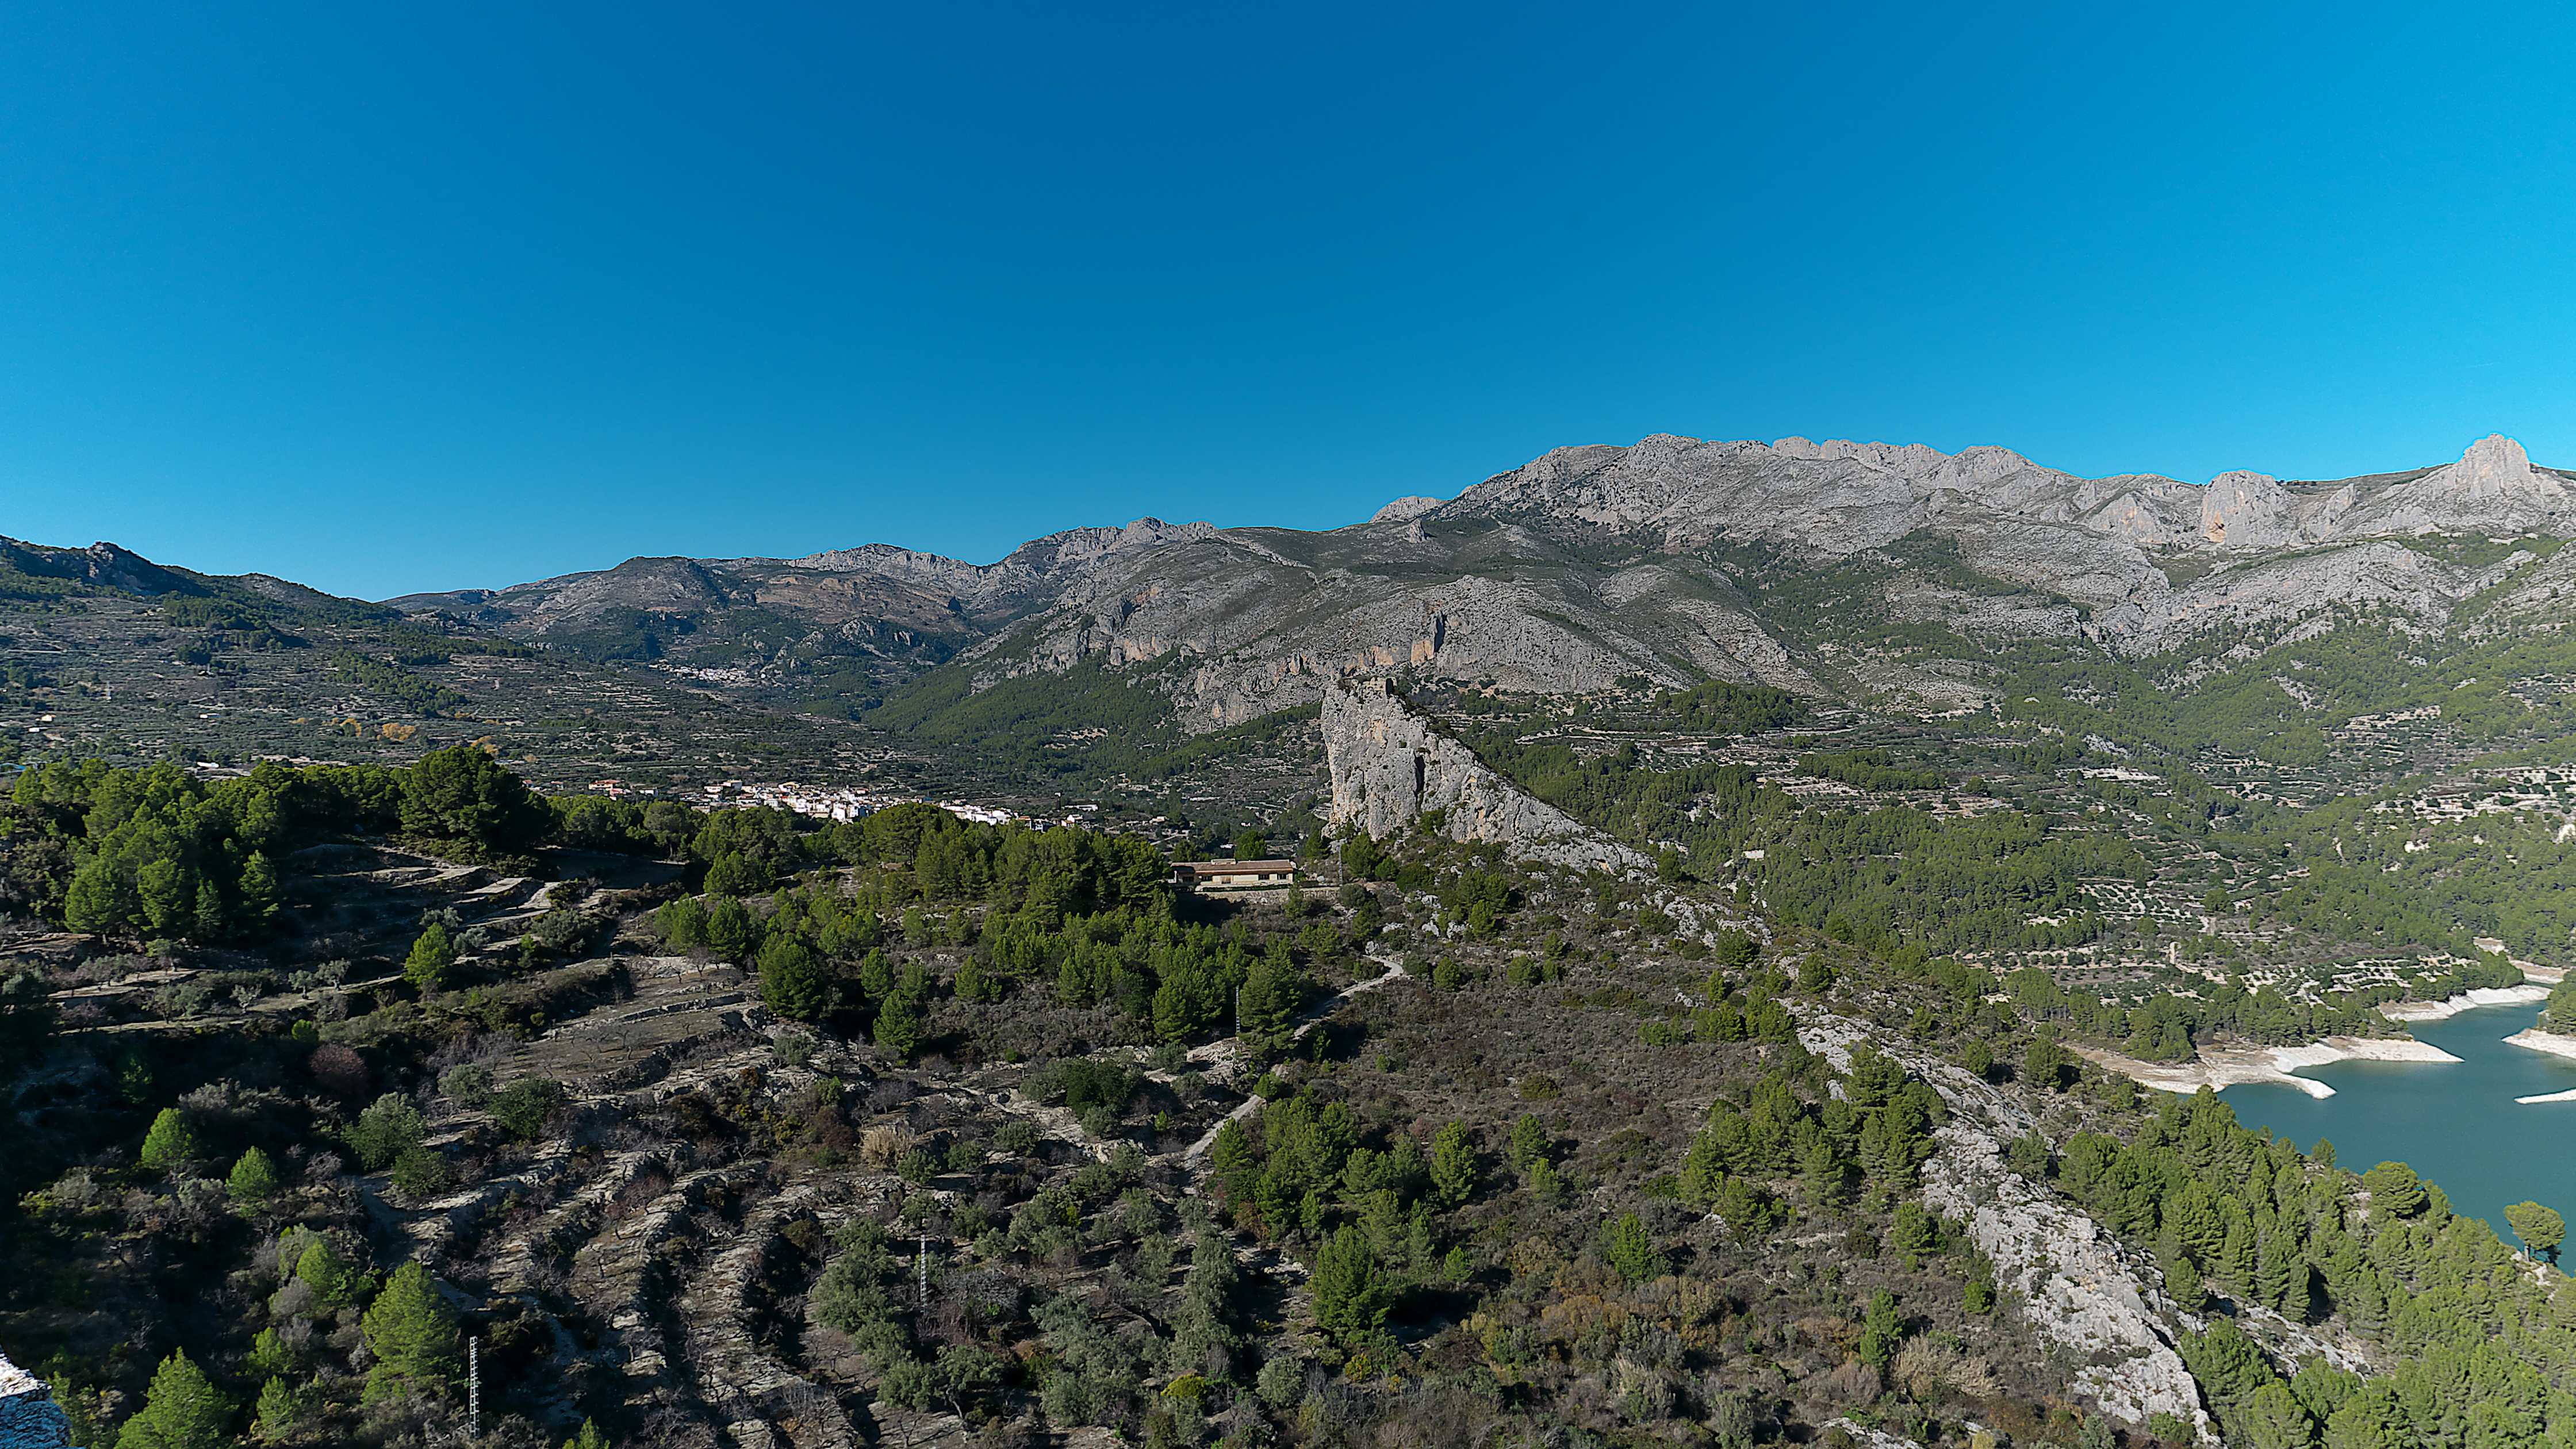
(1391, 767)
(1667, 560)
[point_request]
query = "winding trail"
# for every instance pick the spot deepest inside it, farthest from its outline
(1223, 1052)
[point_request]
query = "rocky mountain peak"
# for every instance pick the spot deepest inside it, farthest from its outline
(1404, 508)
(2245, 510)
(2492, 487)
(2493, 467)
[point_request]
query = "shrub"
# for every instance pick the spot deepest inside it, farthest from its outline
(521, 1109)
(339, 1070)
(883, 1147)
(384, 1130)
(1083, 1084)
(467, 1084)
(420, 1173)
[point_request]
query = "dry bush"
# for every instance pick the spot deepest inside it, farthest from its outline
(647, 1185)
(1853, 1383)
(883, 1147)
(339, 1070)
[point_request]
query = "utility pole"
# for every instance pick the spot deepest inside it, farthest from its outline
(474, 1389)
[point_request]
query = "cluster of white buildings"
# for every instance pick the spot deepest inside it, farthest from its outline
(834, 802)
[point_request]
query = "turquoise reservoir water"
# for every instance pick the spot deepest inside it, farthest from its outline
(2456, 1123)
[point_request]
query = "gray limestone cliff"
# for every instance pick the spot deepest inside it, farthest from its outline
(2060, 1271)
(1656, 561)
(1390, 767)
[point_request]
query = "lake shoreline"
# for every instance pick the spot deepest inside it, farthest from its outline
(2219, 1068)
(2527, 994)
(2535, 1040)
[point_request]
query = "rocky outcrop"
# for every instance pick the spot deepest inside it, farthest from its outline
(1030, 569)
(2246, 510)
(2066, 1275)
(2492, 488)
(29, 1417)
(1592, 564)
(1391, 768)
(101, 565)
(2060, 1270)
(1404, 508)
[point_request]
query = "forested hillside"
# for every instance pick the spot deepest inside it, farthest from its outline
(909, 1128)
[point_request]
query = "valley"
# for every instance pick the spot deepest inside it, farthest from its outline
(1744, 890)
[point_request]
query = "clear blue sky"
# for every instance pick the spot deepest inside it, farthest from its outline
(388, 298)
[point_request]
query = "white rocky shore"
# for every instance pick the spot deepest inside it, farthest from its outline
(2528, 994)
(2534, 1039)
(2219, 1068)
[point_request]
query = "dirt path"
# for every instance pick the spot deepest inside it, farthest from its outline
(1224, 1054)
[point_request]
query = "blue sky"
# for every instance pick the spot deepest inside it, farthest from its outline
(397, 298)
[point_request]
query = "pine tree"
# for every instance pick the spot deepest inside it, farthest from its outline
(253, 1180)
(321, 1269)
(1630, 1250)
(1351, 1297)
(791, 984)
(181, 1411)
(259, 893)
(2272, 1419)
(898, 1024)
(277, 1410)
(1881, 1329)
(168, 903)
(2182, 1276)
(100, 899)
(170, 1141)
(269, 1355)
(1270, 993)
(208, 923)
(413, 1336)
(589, 1438)
(1822, 1175)
(431, 958)
(1453, 1165)
(2540, 1229)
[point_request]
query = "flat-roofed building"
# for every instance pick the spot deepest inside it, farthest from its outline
(1214, 876)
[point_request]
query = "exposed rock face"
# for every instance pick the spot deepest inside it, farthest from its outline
(2062, 1272)
(1030, 569)
(2066, 1275)
(1591, 564)
(1390, 767)
(2246, 510)
(101, 563)
(2492, 487)
(29, 1417)
(1404, 508)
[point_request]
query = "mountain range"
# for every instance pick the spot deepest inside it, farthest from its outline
(1663, 561)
